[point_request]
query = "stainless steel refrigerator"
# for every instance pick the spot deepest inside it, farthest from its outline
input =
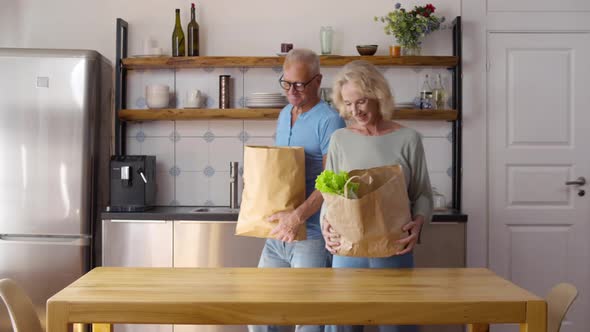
(55, 120)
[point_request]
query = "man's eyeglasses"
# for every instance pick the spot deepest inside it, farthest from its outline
(298, 86)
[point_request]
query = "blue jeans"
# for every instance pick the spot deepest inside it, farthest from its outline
(307, 253)
(403, 261)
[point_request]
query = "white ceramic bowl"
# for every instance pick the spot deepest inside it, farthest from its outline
(157, 95)
(157, 88)
(157, 100)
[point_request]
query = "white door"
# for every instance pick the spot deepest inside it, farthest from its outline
(539, 138)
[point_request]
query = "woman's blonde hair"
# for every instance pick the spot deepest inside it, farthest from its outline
(370, 81)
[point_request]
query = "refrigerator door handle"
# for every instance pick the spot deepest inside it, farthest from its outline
(46, 239)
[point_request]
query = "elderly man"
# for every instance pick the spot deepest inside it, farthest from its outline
(307, 122)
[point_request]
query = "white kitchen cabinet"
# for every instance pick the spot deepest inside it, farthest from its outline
(138, 243)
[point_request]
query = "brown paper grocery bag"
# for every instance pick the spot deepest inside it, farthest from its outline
(274, 180)
(370, 224)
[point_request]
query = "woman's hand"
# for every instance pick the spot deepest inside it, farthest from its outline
(413, 228)
(330, 236)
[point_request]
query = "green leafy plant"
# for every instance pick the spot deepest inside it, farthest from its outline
(408, 27)
(333, 183)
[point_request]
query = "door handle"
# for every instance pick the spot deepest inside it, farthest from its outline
(580, 181)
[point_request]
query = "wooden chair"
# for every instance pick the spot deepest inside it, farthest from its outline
(559, 300)
(20, 308)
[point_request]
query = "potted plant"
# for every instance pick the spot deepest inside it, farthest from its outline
(409, 27)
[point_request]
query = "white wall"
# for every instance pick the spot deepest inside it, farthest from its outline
(475, 160)
(228, 27)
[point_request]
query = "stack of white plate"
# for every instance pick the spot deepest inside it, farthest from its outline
(407, 104)
(266, 100)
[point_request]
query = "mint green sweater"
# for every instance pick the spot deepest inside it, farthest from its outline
(349, 150)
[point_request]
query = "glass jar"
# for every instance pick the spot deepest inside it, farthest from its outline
(439, 201)
(326, 33)
(411, 50)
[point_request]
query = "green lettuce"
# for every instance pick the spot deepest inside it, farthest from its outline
(333, 183)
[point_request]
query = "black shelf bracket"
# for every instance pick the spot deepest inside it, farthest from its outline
(120, 85)
(457, 137)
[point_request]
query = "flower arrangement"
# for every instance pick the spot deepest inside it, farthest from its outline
(408, 27)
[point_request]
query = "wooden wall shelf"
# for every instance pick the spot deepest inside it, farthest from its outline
(275, 61)
(196, 114)
(259, 114)
(418, 114)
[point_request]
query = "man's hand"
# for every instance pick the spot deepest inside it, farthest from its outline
(288, 225)
(413, 227)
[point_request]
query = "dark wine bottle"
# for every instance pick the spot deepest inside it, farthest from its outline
(192, 32)
(177, 37)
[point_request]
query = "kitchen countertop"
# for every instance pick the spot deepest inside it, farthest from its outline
(172, 213)
(187, 213)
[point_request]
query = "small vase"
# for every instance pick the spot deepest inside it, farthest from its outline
(411, 50)
(395, 50)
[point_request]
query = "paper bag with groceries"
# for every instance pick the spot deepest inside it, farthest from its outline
(368, 208)
(274, 180)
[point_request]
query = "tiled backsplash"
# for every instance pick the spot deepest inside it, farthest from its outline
(193, 156)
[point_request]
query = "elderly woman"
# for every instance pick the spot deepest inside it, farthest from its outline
(362, 96)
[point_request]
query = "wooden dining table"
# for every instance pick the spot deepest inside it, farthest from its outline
(473, 296)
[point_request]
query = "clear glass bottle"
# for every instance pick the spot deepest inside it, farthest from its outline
(192, 34)
(426, 94)
(439, 94)
(177, 37)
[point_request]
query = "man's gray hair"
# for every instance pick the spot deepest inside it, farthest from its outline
(305, 56)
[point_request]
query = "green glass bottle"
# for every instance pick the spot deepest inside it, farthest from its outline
(177, 37)
(192, 32)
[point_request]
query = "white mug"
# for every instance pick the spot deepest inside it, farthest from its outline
(193, 98)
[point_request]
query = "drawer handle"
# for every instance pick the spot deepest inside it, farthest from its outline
(147, 221)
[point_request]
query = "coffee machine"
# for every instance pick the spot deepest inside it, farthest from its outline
(133, 183)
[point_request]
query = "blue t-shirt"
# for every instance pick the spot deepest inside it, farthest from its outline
(312, 131)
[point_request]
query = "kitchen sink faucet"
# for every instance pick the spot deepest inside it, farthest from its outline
(233, 184)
